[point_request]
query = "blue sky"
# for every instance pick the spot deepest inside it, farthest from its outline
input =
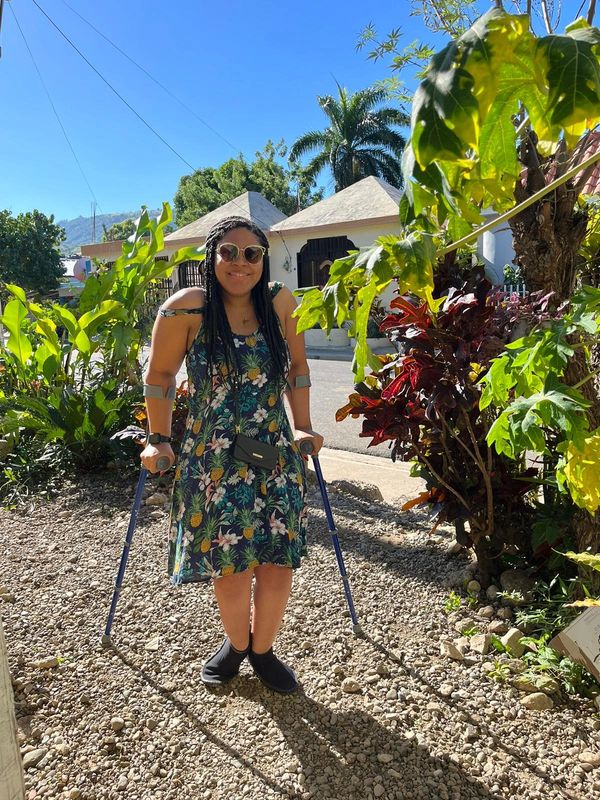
(252, 70)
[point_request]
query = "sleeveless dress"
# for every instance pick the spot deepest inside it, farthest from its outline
(228, 516)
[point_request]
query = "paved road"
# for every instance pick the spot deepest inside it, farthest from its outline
(332, 382)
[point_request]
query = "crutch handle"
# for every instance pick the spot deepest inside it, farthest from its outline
(163, 463)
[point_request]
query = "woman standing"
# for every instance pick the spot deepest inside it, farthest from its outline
(238, 505)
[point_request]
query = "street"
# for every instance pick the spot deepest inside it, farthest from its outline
(332, 382)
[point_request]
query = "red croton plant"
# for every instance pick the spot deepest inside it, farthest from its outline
(425, 402)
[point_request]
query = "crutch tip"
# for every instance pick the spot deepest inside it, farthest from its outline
(105, 641)
(357, 630)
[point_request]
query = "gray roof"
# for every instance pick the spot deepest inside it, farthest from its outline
(251, 205)
(369, 199)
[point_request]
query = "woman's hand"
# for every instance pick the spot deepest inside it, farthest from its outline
(308, 435)
(152, 452)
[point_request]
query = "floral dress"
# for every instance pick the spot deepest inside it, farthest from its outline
(229, 516)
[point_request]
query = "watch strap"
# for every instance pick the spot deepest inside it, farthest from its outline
(159, 438)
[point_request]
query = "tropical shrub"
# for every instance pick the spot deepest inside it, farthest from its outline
(488, 103)
(539, 413)
(425, 401)
(72, 378)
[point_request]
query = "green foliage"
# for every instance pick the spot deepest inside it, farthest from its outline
(550, 610)
(73, 391)
(452, 602)
(118, 231)
(500, 671)
(545, 660)
(588, 559)
(81, 421)
(289, 190)
(360, 139)
(31, 467)
(30, 251)
(539, 413)
(358, 279)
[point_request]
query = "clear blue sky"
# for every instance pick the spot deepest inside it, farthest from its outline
(251, 68)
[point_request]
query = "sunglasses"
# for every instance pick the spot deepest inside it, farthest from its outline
(231, 252)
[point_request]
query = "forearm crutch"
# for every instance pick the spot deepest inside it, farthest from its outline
(162, 463)
(306, 447)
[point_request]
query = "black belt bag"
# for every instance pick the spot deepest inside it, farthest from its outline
(250, 451)
(258, 454)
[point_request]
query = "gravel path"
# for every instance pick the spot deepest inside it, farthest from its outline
(136, 722)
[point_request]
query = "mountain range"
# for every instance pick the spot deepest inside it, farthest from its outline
(80, 230)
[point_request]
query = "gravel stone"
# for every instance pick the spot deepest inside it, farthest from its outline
(421, 726)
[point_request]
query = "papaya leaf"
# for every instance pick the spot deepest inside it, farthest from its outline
(591, 560)
(580, 470)
(573, 80)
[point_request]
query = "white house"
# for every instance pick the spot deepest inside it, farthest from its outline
(301, 246)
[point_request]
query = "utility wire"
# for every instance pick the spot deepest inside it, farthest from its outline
(152, 78)
(138, 115)
(112, 88)
(56, 114)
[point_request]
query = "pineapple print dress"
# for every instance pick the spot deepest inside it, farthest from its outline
(229, 516)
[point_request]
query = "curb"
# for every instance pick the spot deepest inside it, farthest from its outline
(392, 479)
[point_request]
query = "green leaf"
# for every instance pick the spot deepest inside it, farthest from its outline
(365, 298)
(497, 383)
(587, 559)
(573, 79)
(107, 310)
(413, 258)
(18, 342)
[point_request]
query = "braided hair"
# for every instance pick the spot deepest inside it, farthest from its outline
(216, 324)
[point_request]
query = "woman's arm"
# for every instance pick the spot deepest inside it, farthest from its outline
(298, 391)
(171, 337)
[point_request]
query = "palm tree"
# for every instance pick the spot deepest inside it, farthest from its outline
(359, 141)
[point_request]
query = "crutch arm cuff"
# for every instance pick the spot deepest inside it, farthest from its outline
(155, 391)
(301, 382)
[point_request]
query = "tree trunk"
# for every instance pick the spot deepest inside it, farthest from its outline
(546, 239)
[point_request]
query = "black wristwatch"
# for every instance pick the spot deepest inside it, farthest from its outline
(158, 438)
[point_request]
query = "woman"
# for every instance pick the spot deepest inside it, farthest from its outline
(234, 520)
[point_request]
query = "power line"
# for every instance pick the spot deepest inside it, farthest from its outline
(130, 107)
(56, 114)
(112, 88)
(152, 78)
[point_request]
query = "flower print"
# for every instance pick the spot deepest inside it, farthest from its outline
(259, 504)
(219, 443)
(280, 481)
(277, 526)
(225, 540)
(260, 415)
(260, 380)
(249, 479)
(218, 495)
(188, 446)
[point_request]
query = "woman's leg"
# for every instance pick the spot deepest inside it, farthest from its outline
(271, 594)
(233, 598)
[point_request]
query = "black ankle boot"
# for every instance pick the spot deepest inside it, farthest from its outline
(223, 665)
(273, 672)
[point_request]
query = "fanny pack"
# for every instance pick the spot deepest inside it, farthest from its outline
(251, 451)
(246, 449)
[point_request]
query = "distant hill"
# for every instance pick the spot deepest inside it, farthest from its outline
(80, 230)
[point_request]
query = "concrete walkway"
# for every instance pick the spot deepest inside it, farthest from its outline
(393, 480)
